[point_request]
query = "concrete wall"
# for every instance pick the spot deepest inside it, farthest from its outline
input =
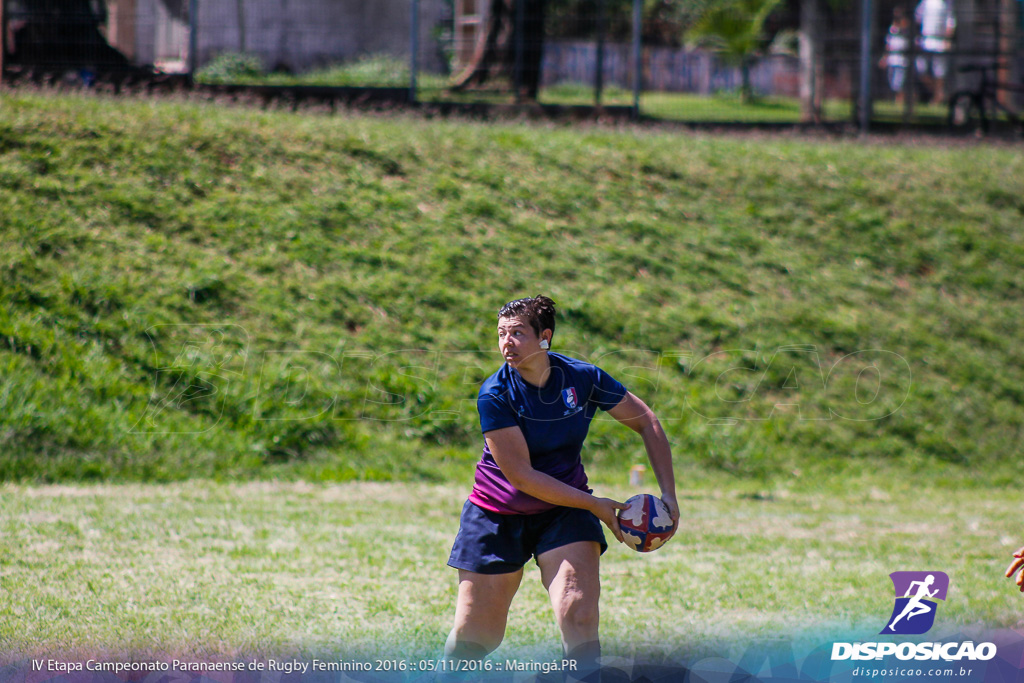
(146, 14)
(302, 34)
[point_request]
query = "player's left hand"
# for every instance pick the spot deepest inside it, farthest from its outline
(669, 499)
(1017, 566)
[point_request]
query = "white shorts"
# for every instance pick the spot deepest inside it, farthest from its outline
(933, 63)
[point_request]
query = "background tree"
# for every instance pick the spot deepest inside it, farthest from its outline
(667, 22)
(495, 55)
(511, 47)
(664, 22)
(735, 29)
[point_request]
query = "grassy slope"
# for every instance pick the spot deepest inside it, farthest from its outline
(292, 266)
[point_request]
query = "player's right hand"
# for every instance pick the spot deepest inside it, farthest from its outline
(605, 509)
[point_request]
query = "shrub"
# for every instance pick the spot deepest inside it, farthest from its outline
(231, 67)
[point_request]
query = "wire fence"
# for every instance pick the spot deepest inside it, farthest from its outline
(877, 62)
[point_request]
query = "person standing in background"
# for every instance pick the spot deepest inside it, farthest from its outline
(897, 43)
(935, 40)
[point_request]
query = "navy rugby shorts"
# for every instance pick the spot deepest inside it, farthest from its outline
(492, 543)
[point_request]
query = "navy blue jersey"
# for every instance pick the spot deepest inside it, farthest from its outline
(554, 420)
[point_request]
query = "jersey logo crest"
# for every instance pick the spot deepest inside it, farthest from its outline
(569, 396)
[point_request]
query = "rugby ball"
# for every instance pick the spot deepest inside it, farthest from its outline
(645, 524)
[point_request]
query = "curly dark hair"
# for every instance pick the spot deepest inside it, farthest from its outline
(539, 311)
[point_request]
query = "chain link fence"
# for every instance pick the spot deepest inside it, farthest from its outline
(880, 62)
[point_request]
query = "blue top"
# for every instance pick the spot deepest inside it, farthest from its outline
(554, 419)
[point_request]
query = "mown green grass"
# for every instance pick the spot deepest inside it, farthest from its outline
(195, 291)
(724, 107)
(386, 71)
(250, 570)
(377, 71)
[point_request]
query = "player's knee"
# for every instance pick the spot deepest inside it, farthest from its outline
(580, 616)
(585, 620)
(475, 644)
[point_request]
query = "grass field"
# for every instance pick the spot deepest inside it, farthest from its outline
(230, 341)
(250, 570)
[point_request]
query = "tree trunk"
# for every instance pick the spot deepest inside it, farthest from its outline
(746, 89)
(532, 38)
(811, 61)
(503, 52)
(491, 48)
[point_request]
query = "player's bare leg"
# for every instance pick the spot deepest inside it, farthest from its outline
(571, 575)
(481, 613)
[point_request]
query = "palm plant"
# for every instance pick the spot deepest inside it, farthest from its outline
(735, 30)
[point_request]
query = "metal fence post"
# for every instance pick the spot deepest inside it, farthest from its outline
(193, 38)
(414, 43)
(638, 67)
(602, 24)
(910, 71)
(867, 11)
(3, 40)
(520, 21)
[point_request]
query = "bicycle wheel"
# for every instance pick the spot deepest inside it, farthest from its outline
(967, 114)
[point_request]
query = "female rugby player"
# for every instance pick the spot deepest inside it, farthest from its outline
(530, 497)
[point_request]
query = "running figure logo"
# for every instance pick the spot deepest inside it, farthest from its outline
(914, 612)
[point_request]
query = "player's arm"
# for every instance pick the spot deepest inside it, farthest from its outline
(635, 414)
(508, 446)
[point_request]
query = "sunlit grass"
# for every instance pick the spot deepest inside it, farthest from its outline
(209, 571)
